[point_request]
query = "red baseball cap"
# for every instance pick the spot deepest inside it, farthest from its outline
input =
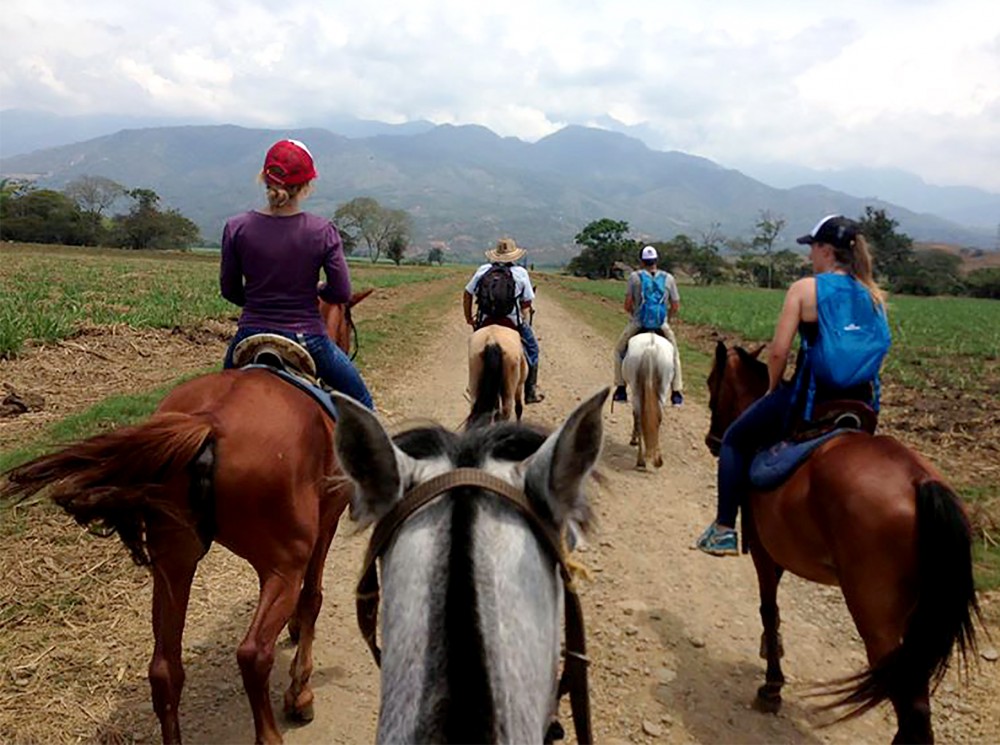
(289, 163)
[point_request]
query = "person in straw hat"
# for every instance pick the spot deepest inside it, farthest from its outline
(503, 293)
(271, 259)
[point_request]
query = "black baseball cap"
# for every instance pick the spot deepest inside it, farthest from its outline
(836, 230)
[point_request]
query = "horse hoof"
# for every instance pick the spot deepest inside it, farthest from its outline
(767, 702)
(633, 442)
(555, 732)
(658, 462)
(300, 708)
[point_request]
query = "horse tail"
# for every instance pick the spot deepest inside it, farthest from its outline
(944, 614)
(490, 387)
(650, 384)
(116, 479)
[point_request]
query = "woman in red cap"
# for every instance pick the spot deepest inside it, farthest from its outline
(271, 259)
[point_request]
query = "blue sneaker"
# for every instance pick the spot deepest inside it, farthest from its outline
(620, 395)
(718, 541)
(677, 398)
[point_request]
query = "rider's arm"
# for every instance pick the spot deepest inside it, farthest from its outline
(231, 271)
(784, 332)
(467, 307)
(337, 288)
(629, 299)
(672, 310)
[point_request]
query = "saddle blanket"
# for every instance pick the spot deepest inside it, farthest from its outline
(320, 396)
(771, 467)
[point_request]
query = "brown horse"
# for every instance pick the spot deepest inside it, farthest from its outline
(871, 515)
(339, 324)
(498, 370)
(239, 457)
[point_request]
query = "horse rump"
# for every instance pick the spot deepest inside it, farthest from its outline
(116, 479)
(489, 388)
(944, 616)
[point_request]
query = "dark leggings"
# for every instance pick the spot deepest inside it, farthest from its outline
(763, 424)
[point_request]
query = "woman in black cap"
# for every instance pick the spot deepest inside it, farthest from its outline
(842, 266)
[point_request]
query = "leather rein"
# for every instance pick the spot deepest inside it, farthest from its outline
(574, 676)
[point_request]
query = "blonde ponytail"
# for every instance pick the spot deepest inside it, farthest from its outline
(857, 259)
(278, 196)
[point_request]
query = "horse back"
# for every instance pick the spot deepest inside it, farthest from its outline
(853, 499)
(273, 455)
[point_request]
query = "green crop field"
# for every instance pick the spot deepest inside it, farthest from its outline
(49, 292)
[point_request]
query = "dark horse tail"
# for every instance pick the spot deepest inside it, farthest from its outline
(490, 387)
(117, 479)
(945, 611)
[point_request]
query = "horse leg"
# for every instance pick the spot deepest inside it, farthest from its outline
(279, 593)
(880, 605)
(768, 697)
(175, 554)
(299, 696)
(637, 439)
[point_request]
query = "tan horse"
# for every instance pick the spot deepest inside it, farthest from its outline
(497, 372)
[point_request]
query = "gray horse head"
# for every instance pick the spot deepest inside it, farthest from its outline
(471, 599)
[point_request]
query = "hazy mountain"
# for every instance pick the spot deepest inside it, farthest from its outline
(466, 186)
(965, 205)
(23, 131)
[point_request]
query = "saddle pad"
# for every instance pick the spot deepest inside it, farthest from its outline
(323, 398)
(772, 466)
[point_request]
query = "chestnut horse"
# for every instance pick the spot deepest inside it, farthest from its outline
(869, 514)
(239, 457)
(498, 370)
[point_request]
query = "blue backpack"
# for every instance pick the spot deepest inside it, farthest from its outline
(653, 310)
(853, 338)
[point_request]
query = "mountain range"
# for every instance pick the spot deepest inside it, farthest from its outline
(465, 186)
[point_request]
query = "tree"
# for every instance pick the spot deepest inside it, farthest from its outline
(147, 227)
(94, 194)
(700, 262)
(436, 254)
(892, 252)
(364, 219)
(768, 228)
(604, 242)
(931, 272)
(396, 248)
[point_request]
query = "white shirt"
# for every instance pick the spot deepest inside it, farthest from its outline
(525, 293)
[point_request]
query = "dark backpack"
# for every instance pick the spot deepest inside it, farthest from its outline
(496, 293)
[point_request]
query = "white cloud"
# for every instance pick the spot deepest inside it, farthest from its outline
(915, 85)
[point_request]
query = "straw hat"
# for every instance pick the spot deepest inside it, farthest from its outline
(506, 252)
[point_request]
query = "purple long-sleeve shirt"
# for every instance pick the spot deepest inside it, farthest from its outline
(270, 267)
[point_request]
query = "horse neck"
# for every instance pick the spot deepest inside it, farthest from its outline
(451, 670)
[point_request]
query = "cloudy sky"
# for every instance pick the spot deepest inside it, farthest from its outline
(913, 84)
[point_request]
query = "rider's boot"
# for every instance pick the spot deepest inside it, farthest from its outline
(531, 394)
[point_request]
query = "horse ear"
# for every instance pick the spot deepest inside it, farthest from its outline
(357, 297)
(555, 473)
(720, 354)
(368, 456)
(756, 353)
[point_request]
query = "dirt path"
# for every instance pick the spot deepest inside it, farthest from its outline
(673, 633)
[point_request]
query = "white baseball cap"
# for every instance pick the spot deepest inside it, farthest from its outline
(648, 254)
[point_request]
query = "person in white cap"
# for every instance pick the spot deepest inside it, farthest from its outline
(652, 301)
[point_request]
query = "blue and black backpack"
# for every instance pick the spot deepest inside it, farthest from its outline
(853, 338)
(653, 310)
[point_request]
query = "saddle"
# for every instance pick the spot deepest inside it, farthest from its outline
(287, 359)
(658, 331)
(771, 467)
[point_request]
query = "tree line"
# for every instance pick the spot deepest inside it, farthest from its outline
(608, 250)
(81, 215)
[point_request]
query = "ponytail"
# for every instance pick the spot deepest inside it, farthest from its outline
(857, 259)
(279, 195)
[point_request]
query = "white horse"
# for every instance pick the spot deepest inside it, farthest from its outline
(471, 597)
(648, 369)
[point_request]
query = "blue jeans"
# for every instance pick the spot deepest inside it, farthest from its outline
(332, 365)
(764, 423)
(530, 344)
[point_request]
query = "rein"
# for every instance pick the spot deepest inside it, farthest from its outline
(574, 677)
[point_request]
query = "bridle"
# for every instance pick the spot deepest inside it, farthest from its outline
(574, 676)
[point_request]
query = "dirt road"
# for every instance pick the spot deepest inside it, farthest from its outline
(673, 633)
